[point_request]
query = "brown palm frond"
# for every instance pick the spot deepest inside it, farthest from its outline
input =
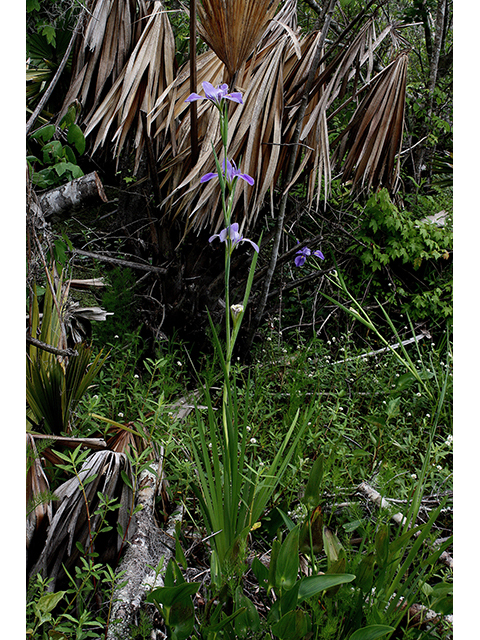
(260, 131)
(233, 28)
(39, 505)
(110, 31)
(143, 79)
(373, 139)
(70, 523)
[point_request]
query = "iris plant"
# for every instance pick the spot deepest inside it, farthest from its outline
(232, 237)
(231, 492)
(217, 95)
(302, 255)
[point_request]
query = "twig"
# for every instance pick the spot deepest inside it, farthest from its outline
(119, 262)
(48, 347)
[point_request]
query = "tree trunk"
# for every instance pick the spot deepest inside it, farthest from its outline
(432, 81)
(73, 195)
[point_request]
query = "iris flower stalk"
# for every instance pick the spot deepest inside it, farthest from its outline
(232, 493)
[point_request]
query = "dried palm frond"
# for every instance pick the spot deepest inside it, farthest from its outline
(143, 79)
(39, 505)
(233, 28)
(373, 139)
(72, 523)
(110, 30)
(261, 130)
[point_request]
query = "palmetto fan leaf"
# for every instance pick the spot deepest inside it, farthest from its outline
(110, 31)
(233, 28)
(143, 77)
(261, 130)
(100, 473)
(373, 138)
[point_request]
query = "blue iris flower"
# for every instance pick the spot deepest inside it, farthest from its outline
(232, 235)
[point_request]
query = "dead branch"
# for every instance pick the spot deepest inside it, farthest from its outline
(48, 347)
(72, 195)
(149, 547)
(119, 262)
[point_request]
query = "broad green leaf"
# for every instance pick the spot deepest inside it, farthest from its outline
(249, 619)
(168, 596)
(312, 490)
(46, 133)
(49, 601)
(382, 545)
(371, 632)
(333, 546)
(272, 567)
(181, 618)
(260, 571)
(287, 562)
(75, 136)
(364, 573)
(312, 585)
(294, 625)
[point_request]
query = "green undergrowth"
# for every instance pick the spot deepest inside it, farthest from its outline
(369, 420)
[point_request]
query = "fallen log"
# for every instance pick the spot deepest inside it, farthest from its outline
(148, 547)
(76, 194)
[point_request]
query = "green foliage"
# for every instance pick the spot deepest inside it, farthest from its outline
(416, 253)
(119, 298)
(55, 386)
(59, 160)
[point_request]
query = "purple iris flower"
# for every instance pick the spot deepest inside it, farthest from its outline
(231, 233)
(302, 255)
(216, 95)
(230, 174)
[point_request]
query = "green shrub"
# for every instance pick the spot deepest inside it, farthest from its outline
(409, 256)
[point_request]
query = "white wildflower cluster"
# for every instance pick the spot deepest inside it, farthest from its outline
(299, 513)
(449, 441)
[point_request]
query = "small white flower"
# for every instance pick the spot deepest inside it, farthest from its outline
(253, 441)
(179, 363)
(329, 342)
(439, 468)
(333, 339)
(95, 397)
(409, 415)
(136, 376)
(450, 439)
(419, 395)
(248, 428)
(414, 476)
(209, 445)
(427, 415)
(340, 408)
(269, 339)
(120, 415)
(115, 336)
